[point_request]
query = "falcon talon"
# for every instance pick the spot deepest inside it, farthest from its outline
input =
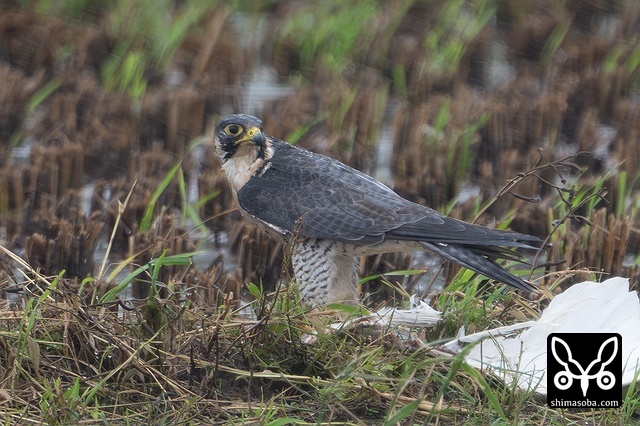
(337, 213)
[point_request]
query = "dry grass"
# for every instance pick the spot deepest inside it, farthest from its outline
(66, 360)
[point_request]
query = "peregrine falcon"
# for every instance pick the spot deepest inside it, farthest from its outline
(334, 214)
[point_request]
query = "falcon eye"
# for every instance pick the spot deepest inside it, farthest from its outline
(233, 129)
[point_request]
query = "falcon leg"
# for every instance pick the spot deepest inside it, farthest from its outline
(324, 272)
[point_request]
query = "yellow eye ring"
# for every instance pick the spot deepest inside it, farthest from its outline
(233, 129)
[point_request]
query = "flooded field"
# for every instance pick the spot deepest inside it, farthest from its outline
(512, 114)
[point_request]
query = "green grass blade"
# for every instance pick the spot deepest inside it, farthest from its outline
(43, 93)
(403, 413)
(145, 223)
(182, 259)
(484, 385)
(286, 421)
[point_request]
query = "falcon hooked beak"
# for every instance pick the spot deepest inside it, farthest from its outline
(236, 131)
(242, 148)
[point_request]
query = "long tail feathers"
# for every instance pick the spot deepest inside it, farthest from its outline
(478, 263)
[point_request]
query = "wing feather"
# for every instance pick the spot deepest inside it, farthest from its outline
(327, 199)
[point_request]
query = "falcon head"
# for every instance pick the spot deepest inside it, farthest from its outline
(239, 134)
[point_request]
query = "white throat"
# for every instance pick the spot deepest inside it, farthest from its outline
(244, 164)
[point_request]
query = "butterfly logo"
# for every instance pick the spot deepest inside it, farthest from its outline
(563, 380)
